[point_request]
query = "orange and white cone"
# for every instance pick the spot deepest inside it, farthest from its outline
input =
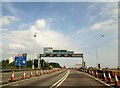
(104, 76)
(40, 72)
(86, 71)
(44, 72)
(36, 73)
(31, 74)
(92, 73)
(116, 81)
(96, 74)
(12, 75)
(24, 76)
(89, 72)
(109, 78)
(47, 72)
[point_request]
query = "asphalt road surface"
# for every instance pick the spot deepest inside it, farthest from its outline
(64, 78)
(80, 79)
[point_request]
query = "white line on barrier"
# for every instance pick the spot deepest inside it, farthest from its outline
(64, 77)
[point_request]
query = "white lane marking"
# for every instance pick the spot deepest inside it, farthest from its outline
(65, 76)
(63, 80)
(58, 81)
(99, 80)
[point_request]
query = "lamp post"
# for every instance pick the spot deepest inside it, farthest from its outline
(83, 61)
(97, 54)
(33, 52)
(39, 59)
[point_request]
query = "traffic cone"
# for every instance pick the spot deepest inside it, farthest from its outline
(40, 72)
(31, 74)
(36, 73)
(109, 78)
(24, 76)
(96, 74)
(86, 71)
(47, 72)
(104, 76)
(116, 81)
(92, 73)
(89, 72)
(12, 76)
(44, 72)
(50, 71)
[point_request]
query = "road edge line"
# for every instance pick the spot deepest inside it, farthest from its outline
(99, 80)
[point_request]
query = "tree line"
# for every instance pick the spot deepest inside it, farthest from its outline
(43, 64)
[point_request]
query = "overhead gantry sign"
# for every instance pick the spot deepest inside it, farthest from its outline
(49, 52)
(64, 55)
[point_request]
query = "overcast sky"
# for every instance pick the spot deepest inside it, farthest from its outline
(80, 26)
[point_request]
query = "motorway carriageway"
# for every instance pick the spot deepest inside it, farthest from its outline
(63, 78)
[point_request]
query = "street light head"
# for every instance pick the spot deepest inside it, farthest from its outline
(35, 34)
(102, 35)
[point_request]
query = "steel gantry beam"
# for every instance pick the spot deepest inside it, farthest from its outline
(63, 55)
